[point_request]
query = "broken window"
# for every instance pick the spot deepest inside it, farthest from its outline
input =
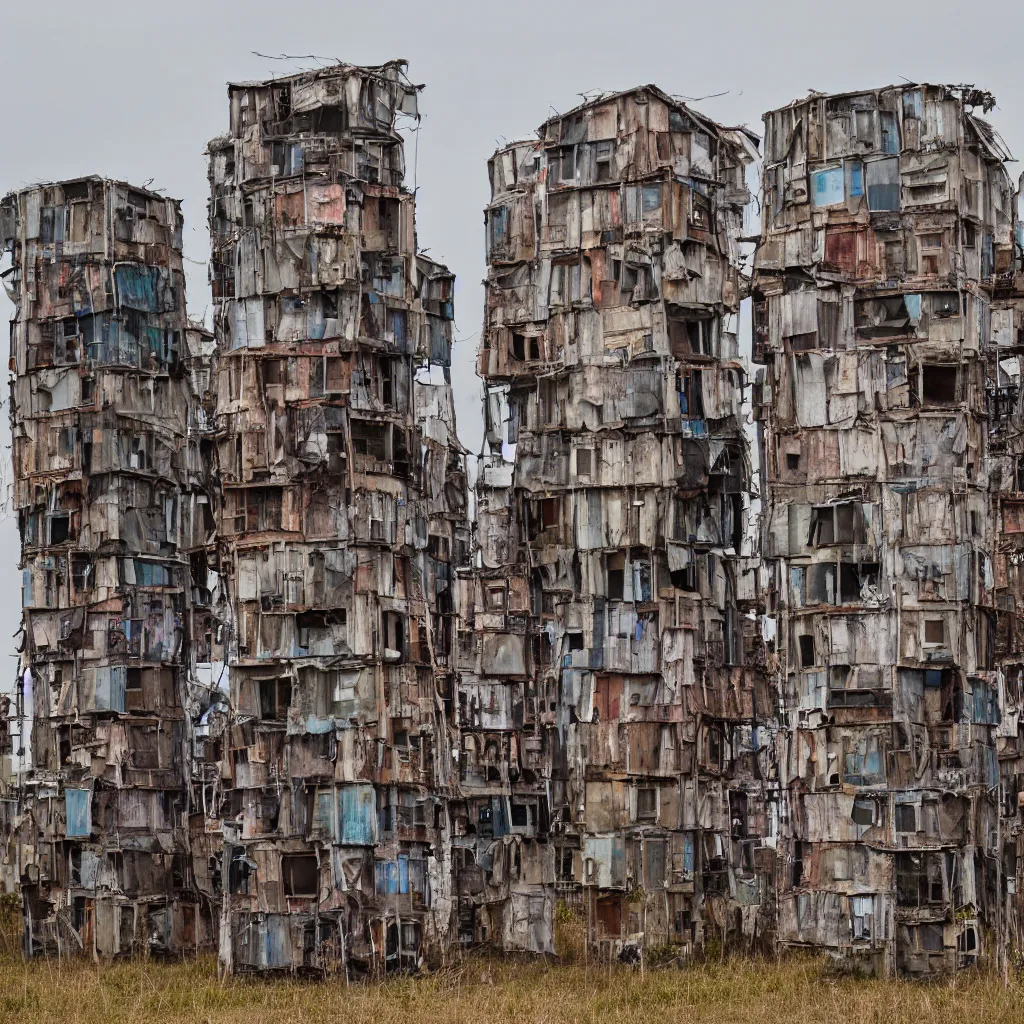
(865, 811)
(921, 878)
(58, 527)
(806, 645)
(275, 698)
(394, 635)
(301, 874)
(543, 514)
(856, 581)
(939, 384)
(525, 347)
(883, 184)
(370, 444)
(616, 569)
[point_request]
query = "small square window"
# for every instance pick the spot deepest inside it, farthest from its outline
(906, 818)
(646, 804)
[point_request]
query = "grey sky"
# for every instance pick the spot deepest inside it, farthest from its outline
(134, 91)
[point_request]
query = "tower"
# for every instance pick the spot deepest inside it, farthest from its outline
(343, 515)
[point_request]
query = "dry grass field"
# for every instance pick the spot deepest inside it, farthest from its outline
(492, 991)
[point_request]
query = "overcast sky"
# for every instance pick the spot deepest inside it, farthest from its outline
(134, 91)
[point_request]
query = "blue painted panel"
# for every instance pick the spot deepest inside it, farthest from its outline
(357, 812)
(78, 810)
(110, 687)
(136, 286)
(856, 178)
(276, 941)
(827, 187)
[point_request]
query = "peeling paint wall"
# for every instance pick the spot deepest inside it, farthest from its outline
(112, 499)
(887, 222)
(614, 718)
(343, 517)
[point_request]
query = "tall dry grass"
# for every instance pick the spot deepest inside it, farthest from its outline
(495, 990)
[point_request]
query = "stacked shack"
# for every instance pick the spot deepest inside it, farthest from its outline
(111, 494)
(1006, 481)
(343, 516)
(887, 222)
(614, 742)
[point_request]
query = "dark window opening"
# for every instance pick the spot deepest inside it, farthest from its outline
(906, 818)
(301, 876)
(616, 577)
(275, 697)
(806, 651)
(938, 384)
(863, 812)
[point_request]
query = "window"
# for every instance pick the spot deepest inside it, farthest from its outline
(883, 184)
(806, 651)
(562, 164)
(543, 514)
(646, 803)
(59, 527)
(81, 568)
(920, 878)
(938, 384)
(498, 221)
(575, 641)
(275, 696)
(827, 187)
(603, 153)
(864, 812)
(853, 578)
(584, 461)
(616, 577)
(862, 916)
(650, 199)
(934, 632)
(370, 441)
(301, 876)
(889, 131)
(393, 635)
(496, 597)
(913, 104)
(525, 348)
(906, 818)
